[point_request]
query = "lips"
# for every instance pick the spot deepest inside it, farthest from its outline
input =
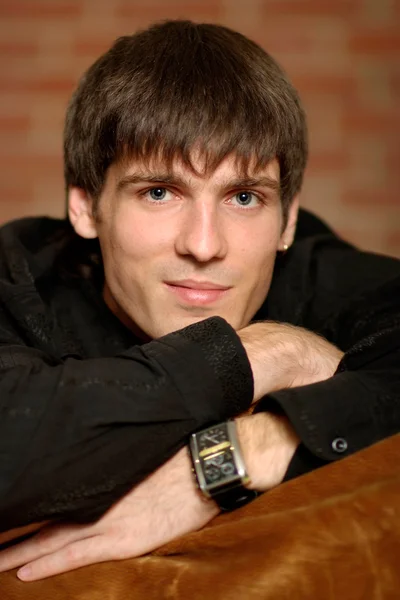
(197, 293)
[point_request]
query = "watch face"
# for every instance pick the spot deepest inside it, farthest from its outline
(216, 455)
(219, 466)
(211, 437)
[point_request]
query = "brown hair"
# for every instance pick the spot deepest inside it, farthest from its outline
(179, 85)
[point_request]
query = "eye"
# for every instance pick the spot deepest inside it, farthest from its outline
(157, 193)
(245, 199)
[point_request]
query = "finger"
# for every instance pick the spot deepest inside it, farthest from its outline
(48, 540)
(78, 554)
(12, 534)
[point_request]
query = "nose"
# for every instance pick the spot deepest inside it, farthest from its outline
(201, 233)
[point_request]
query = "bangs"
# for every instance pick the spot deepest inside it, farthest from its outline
(202, 154)
(196, 110)
(204, 100)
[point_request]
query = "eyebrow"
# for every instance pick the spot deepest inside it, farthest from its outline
(173, 179)
(151, 178)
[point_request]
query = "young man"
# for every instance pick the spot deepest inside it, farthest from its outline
(179, 298)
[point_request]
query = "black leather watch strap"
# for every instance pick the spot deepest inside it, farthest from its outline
(234, 498)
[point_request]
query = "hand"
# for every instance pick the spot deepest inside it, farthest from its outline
(164, 506)
(161, 508)
(284, 356)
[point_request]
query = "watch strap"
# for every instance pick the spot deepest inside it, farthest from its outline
(234, 498)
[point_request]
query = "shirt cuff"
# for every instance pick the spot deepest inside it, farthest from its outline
(209, 364)
(330, 417)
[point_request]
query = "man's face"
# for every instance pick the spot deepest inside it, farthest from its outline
(178, 248)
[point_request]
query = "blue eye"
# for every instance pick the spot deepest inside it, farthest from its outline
(245, 198)
(158, 193)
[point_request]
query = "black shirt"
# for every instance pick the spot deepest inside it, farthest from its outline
(87, 410)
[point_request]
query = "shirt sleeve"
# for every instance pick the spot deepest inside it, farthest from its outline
(360, 404)
(75, 436)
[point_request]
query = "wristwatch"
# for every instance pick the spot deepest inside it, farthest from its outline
(219, 467)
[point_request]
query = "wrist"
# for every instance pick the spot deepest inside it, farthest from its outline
(268, 443)
(190, 491)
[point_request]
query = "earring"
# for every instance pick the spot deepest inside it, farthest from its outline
(285, 248)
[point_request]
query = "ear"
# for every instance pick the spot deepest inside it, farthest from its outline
(80, 212)
(287, 236)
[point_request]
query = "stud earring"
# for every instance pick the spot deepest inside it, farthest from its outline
(285, 247)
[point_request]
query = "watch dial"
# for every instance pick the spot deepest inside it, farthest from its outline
(212, 473)
(228, 468)
(215, 455)
(219, 466)
(211, 437)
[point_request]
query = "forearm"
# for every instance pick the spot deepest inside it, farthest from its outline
(355, 408)
(69, 429)
(285, 356)
(284, 359)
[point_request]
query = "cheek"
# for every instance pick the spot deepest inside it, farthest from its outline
(261, 270)
(136, 236)
(258, 248)
(258, 253)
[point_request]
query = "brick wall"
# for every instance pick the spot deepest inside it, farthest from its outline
(343, 55)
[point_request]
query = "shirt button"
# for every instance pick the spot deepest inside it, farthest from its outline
(339, 445)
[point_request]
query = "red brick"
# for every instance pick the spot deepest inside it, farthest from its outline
(296, 39)
(91, 47)
(14, 123)
(10, 196)
(335, 84)
(38, 10)
(17, 192)
(382, 42)
(18, 48)
(40, 84)
(294, 8)
(327, 161)
(393, 241)
(393, 156)
(174, 9)
(29, 167)
(373, 122)
(368, 198)
(394, 83)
